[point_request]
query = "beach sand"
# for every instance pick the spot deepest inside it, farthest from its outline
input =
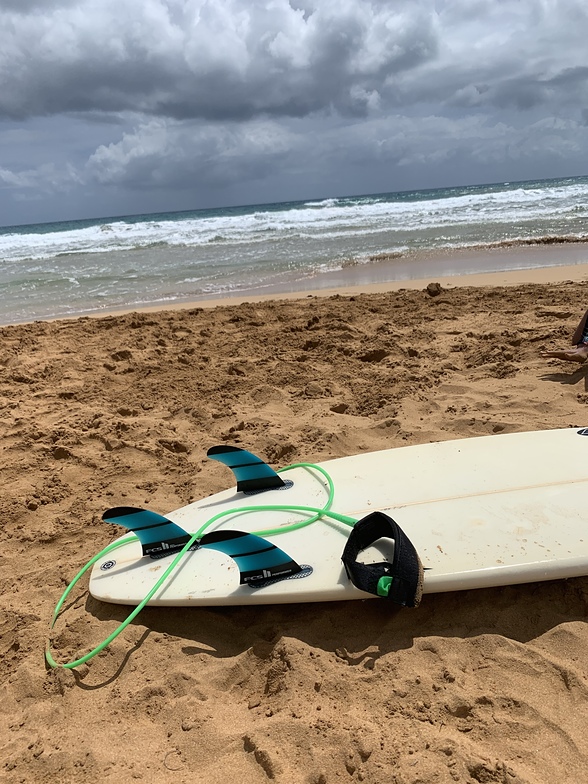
(477, 686)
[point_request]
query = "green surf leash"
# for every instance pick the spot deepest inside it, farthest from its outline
(315, 512)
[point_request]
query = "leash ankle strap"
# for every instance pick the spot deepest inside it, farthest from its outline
(400, 581)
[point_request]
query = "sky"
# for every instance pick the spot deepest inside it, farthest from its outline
(114, 107)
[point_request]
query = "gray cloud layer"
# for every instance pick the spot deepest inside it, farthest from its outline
(173, 93)
(212, 60)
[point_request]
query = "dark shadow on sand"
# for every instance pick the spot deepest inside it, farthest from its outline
(571, 378)
(520, 613)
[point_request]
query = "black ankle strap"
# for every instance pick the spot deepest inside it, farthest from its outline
(400, 581)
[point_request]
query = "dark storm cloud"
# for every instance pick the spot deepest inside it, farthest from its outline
(147, 97)
(230, 59)
(212, 60)
(26, 6)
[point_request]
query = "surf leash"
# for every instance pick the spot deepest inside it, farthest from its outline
(315, 512)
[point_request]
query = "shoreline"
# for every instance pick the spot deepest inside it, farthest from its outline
(537, 275)
(381, 277)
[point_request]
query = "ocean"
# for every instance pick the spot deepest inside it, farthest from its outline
(83, 267)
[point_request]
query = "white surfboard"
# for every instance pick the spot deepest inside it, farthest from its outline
(480, 512)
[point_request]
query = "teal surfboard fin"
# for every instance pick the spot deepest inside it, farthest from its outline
(158, 535)
(257, 559)
(251, 473)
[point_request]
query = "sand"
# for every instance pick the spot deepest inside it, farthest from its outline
(478, 686)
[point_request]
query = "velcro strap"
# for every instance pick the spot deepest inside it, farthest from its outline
(402, 580)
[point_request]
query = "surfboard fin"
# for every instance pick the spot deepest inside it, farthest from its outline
(158, 535)
(251, 473)
(400, 581)
(257, 559)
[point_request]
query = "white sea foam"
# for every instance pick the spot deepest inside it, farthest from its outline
(337, 216)
(78, 267)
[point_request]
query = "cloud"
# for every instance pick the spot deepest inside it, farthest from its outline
(161, 154)
(231, 60)
(246, 98)
(213, 59)
(496, 54)
(24, 7)
(46, 178)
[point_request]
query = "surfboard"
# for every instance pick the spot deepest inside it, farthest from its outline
(447, 516)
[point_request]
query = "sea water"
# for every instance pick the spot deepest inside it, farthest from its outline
(85, 267)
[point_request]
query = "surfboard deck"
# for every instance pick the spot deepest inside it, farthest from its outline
(480, 512)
